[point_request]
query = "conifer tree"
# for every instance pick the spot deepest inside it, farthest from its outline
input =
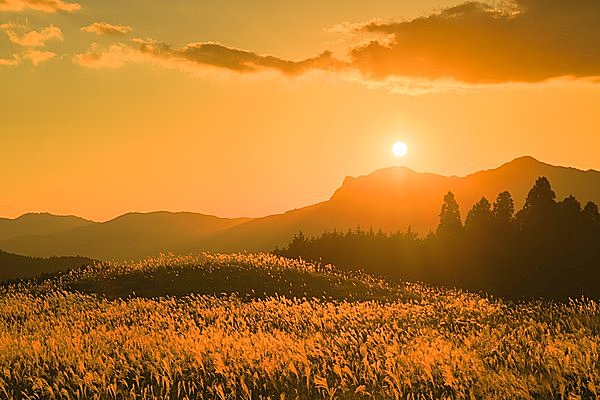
(450, 222)
(504, 208)
(538, 213)
(480, 218)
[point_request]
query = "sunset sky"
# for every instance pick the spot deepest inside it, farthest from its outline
(239, 108)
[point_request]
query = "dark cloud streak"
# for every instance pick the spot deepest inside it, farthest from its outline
(217, 55)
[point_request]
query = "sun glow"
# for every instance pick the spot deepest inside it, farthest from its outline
(399, 149)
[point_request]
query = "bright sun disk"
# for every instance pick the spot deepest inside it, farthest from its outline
(399, 149)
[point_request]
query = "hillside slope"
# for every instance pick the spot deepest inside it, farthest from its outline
(397, 198)
(13, 266)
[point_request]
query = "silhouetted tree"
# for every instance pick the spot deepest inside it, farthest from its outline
(298, 245)
(480, 218)
(590, 214)
(541, 194)
(569, 214)
(450, 222)
(537, 215)
(504, 208)
(410, 234)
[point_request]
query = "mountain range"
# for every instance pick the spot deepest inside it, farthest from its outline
(390, 199)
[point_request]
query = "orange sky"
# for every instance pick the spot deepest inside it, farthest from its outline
(236, 110)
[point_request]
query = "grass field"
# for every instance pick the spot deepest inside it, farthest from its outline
(260, 327)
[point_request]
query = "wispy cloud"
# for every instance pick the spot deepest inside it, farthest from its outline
(217, 55)
(32, 40)
(353, 33)
(19, 35)
(115, 56)
(47, 6)
(410, 86)
(524, 41)
(103, 28)
(10, 62)
(200, 55)
(37, 56)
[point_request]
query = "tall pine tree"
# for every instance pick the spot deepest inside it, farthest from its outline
(450, 222)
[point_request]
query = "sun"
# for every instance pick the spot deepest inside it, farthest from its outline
(399, 149)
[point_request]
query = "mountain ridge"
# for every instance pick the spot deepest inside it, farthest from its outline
(39, 223)
(391, 199)
(131, 235)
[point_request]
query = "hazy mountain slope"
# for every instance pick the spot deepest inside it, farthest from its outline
(131, 235)
(374, 200)
(39, 224)
(519, 175)
(391, 199)
(260, 232)
(395, 198)
(13, 266)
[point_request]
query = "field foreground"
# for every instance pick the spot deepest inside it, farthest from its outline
(259, 327)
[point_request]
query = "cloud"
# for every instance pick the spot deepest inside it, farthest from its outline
(468, 46)
(349, 30)
(37, 57)
(47, 6)
(9, 62)
(238, 60)
(411, 86)
(524, 41)
(199, 56)
(114, 57)
(31, 38)
(103, 28)
(19, 35)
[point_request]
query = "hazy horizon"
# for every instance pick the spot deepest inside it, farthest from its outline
(276, 212)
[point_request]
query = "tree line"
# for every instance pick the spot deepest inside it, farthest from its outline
(547, 249)
(16, 267)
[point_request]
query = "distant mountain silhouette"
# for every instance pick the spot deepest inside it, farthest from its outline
(395, 198)
(391, 199)
(39, 224)
(130, 236)
(13, 266)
